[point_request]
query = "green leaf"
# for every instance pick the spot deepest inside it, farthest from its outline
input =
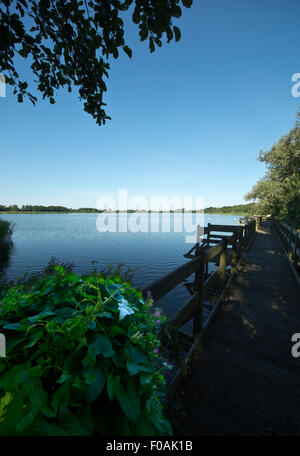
(136, 361)
(133, 393)
(37, 394)
(145, 379)
(90, 357)
(69, 423)
(110, 386)
(103, 345)
(13, 415)
(128, 51)
(61, 397)
(12, 326)
(151, 44)
(126, 404)
(86, 420)
(91, 325)
(177, 33)
(116, 330)
(24, 423)
(55, 430)
(95, 387)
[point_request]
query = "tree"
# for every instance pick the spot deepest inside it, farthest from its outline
(278, 192)
(70, 42)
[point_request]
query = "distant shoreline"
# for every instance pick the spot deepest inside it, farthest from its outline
(235, 209)
(124, 212)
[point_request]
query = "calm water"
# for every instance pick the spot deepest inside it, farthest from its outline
(75, 238)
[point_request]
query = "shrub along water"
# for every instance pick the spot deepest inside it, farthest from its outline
(6, 229)
(82, 358)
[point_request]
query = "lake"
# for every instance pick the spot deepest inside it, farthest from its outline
(75, 238)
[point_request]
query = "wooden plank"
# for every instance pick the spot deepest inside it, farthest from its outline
(163, 285)
(166, 283)
(186, 313)
(211, 280)
(198, 314)
(211, 253)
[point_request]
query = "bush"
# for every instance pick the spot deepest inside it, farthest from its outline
(81, 358)
(6, 229)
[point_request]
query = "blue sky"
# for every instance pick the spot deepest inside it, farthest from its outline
(188, 120)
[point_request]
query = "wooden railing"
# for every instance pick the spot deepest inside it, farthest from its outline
(290, 238)
(226, 251)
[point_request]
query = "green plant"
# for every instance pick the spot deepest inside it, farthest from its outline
(6, 229)
(81, 358)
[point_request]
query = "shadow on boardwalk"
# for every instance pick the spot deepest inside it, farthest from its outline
(246, 381)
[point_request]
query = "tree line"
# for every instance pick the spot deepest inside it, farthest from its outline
(37, 208)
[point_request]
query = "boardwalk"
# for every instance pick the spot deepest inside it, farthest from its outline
(246, 381)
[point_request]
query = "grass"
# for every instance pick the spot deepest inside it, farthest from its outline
(6, 228)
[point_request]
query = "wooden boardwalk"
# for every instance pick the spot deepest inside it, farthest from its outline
(246, 381)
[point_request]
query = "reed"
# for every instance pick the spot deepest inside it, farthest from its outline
(6, 229)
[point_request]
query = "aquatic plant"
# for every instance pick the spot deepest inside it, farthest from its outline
(6, 229)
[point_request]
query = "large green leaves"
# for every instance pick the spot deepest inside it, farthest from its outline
(137, 361)
(96, 383)
(72, 366)
(128, 403)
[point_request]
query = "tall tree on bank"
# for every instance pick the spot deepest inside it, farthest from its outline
(70, 42)
(278, 192)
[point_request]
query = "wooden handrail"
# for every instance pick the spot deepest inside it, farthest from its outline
(290, 238)
(241, 238)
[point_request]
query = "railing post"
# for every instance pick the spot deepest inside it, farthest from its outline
(208, 233)
(198, 316)
(240, 243)
(234, 256)
(223, 263)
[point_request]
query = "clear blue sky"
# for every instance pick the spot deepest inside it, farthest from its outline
(188, 120)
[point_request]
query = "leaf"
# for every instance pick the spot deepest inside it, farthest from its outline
(12, 326)
(37, 394)
(24, 423)
(69, 423)
(86, 420)
(177, 33)
(116, 330)
(136, 361)
(151, 44)
(94, 389)
(91, 325)
(64, 314)
(133, 393)
(126, 404)
(128, 51)
(13, 415)
(110, 386)
(145, 379)
(55, 430)
(90, 357)
(61, 397)
(102, 345)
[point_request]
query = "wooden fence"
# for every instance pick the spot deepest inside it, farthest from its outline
(223, 245)
(290, 239)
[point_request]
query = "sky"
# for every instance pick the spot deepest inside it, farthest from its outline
(187, 121)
